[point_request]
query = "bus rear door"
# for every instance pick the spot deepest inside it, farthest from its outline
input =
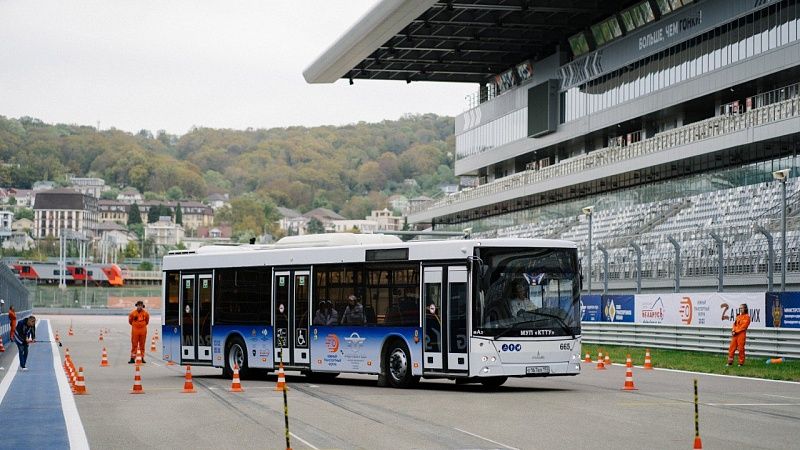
(292, 289)
(196, 292)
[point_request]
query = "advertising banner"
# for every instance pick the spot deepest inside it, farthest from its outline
(591, 308)
(708, 309)
(618, 308)
(783, 309)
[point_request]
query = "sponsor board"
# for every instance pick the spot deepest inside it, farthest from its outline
(358, 349)
(707, 309)
(783, 309)
(257, 339)
(618, 308)
(591, 308)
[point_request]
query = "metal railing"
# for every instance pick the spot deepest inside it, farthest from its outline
(699, 131)
(765, 342)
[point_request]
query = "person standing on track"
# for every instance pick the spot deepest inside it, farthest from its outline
(138, 319)
(26, 329)
(12, 319)
(739, 335)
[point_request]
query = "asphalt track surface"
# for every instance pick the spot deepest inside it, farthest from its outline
(587, 411)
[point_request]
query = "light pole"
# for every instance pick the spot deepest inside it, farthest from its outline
(604, 251)
(588, 211)
(677, 262)
(770, 255)
(720, 260)
(638, 251)
(782, 176)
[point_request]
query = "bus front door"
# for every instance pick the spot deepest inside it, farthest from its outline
(195, 306)
(433, 348)
(444, 320)
(291, 294)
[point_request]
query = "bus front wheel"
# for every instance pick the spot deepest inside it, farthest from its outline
(235, 354)
(398, 365)
(493, 382)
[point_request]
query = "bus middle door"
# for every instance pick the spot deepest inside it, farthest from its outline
(196, 291)
(292, 294)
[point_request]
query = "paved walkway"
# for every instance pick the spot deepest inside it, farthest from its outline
(37, 403)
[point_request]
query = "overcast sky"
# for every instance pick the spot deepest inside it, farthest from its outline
(174, 64)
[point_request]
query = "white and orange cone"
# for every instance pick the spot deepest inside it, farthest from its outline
(188, 386)
(137, 382)
(153, 344)
(2, 348)
(281, 386)
(648, 363)
(600, 365)
(80, 383)
(70, 332)
(628, 362)
(138, 359)
(236, 384)
(101, 336)
(156, 335)
(629, 380)
(104, 359)
(607, 361)
(587, 359)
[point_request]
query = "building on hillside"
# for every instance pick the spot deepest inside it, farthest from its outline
(23, 197)
(88, 186)
(164, 232)
(398, 202)
(6, 221)
(386, 220)
(348, 225)
(113, 211)
(19, 241)
(659, 119)
(217, 200)
(40, 186)
(324, 216)
(194, 214)
(222, 231)
(64, 209)
(22, 225)
(292, 223)
(130, 195)
(114, 235)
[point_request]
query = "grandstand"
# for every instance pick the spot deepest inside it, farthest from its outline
(669, 117)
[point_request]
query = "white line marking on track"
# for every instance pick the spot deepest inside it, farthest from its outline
(782, 396)
(727, 376)
(6, 383)
(485, 439)
(752, 404)
(302, 440)
(75, 431)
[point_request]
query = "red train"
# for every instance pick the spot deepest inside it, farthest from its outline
(48, 273)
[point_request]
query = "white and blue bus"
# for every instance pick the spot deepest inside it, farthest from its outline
(476, 310)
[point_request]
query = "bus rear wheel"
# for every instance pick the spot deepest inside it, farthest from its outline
(235, 353)
(398, 365)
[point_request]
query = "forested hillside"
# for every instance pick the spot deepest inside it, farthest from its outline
(349, 169)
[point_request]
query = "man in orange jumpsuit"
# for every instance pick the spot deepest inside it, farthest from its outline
(12, 318)
(739, 335)
(138, 319)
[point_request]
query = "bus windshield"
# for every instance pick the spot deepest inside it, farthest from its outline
(527, 292)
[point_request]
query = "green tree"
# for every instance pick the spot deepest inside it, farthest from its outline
(178, 214)
(315, 226)
(174, 193)
(138, 229)
(134, 215)
(145, 265)
(110, 194)
(12, 201)
(131, 250)
(24, 213)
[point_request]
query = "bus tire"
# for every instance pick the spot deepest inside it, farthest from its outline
(398, 365)
(235, 353)
(493, 382)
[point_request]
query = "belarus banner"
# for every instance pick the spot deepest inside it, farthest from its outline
(707, 309)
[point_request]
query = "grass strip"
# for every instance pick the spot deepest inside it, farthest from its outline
(755, 366)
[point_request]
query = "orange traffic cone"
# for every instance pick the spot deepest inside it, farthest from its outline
(137, 382)
(153, 344)
(138, 359)
(70, 333)
(236, 385)
(281, 386)
(588, 358)
(628, 362)
(156, 335)
(2, 348)
(104, 360)
(600, 365)
(170, 362)
(648, 363)
(607, 362)
(698, 443)
(80, 384)
(58, 338)
(188, 386)
(629, 380)
(101, 336)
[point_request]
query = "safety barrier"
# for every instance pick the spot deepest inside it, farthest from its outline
(769, 342)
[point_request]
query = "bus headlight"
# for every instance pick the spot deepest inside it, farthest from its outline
(485, 370)
(484, 358)
(494, 358)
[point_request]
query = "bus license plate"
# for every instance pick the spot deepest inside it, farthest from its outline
(537, 369)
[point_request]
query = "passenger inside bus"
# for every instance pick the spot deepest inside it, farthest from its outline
(433, 328)
(326, 314)
(354, 313)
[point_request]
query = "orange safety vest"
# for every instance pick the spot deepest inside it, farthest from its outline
(139, 320)
(741, 323)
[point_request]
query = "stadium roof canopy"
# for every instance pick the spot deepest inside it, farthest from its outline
(455, 41)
